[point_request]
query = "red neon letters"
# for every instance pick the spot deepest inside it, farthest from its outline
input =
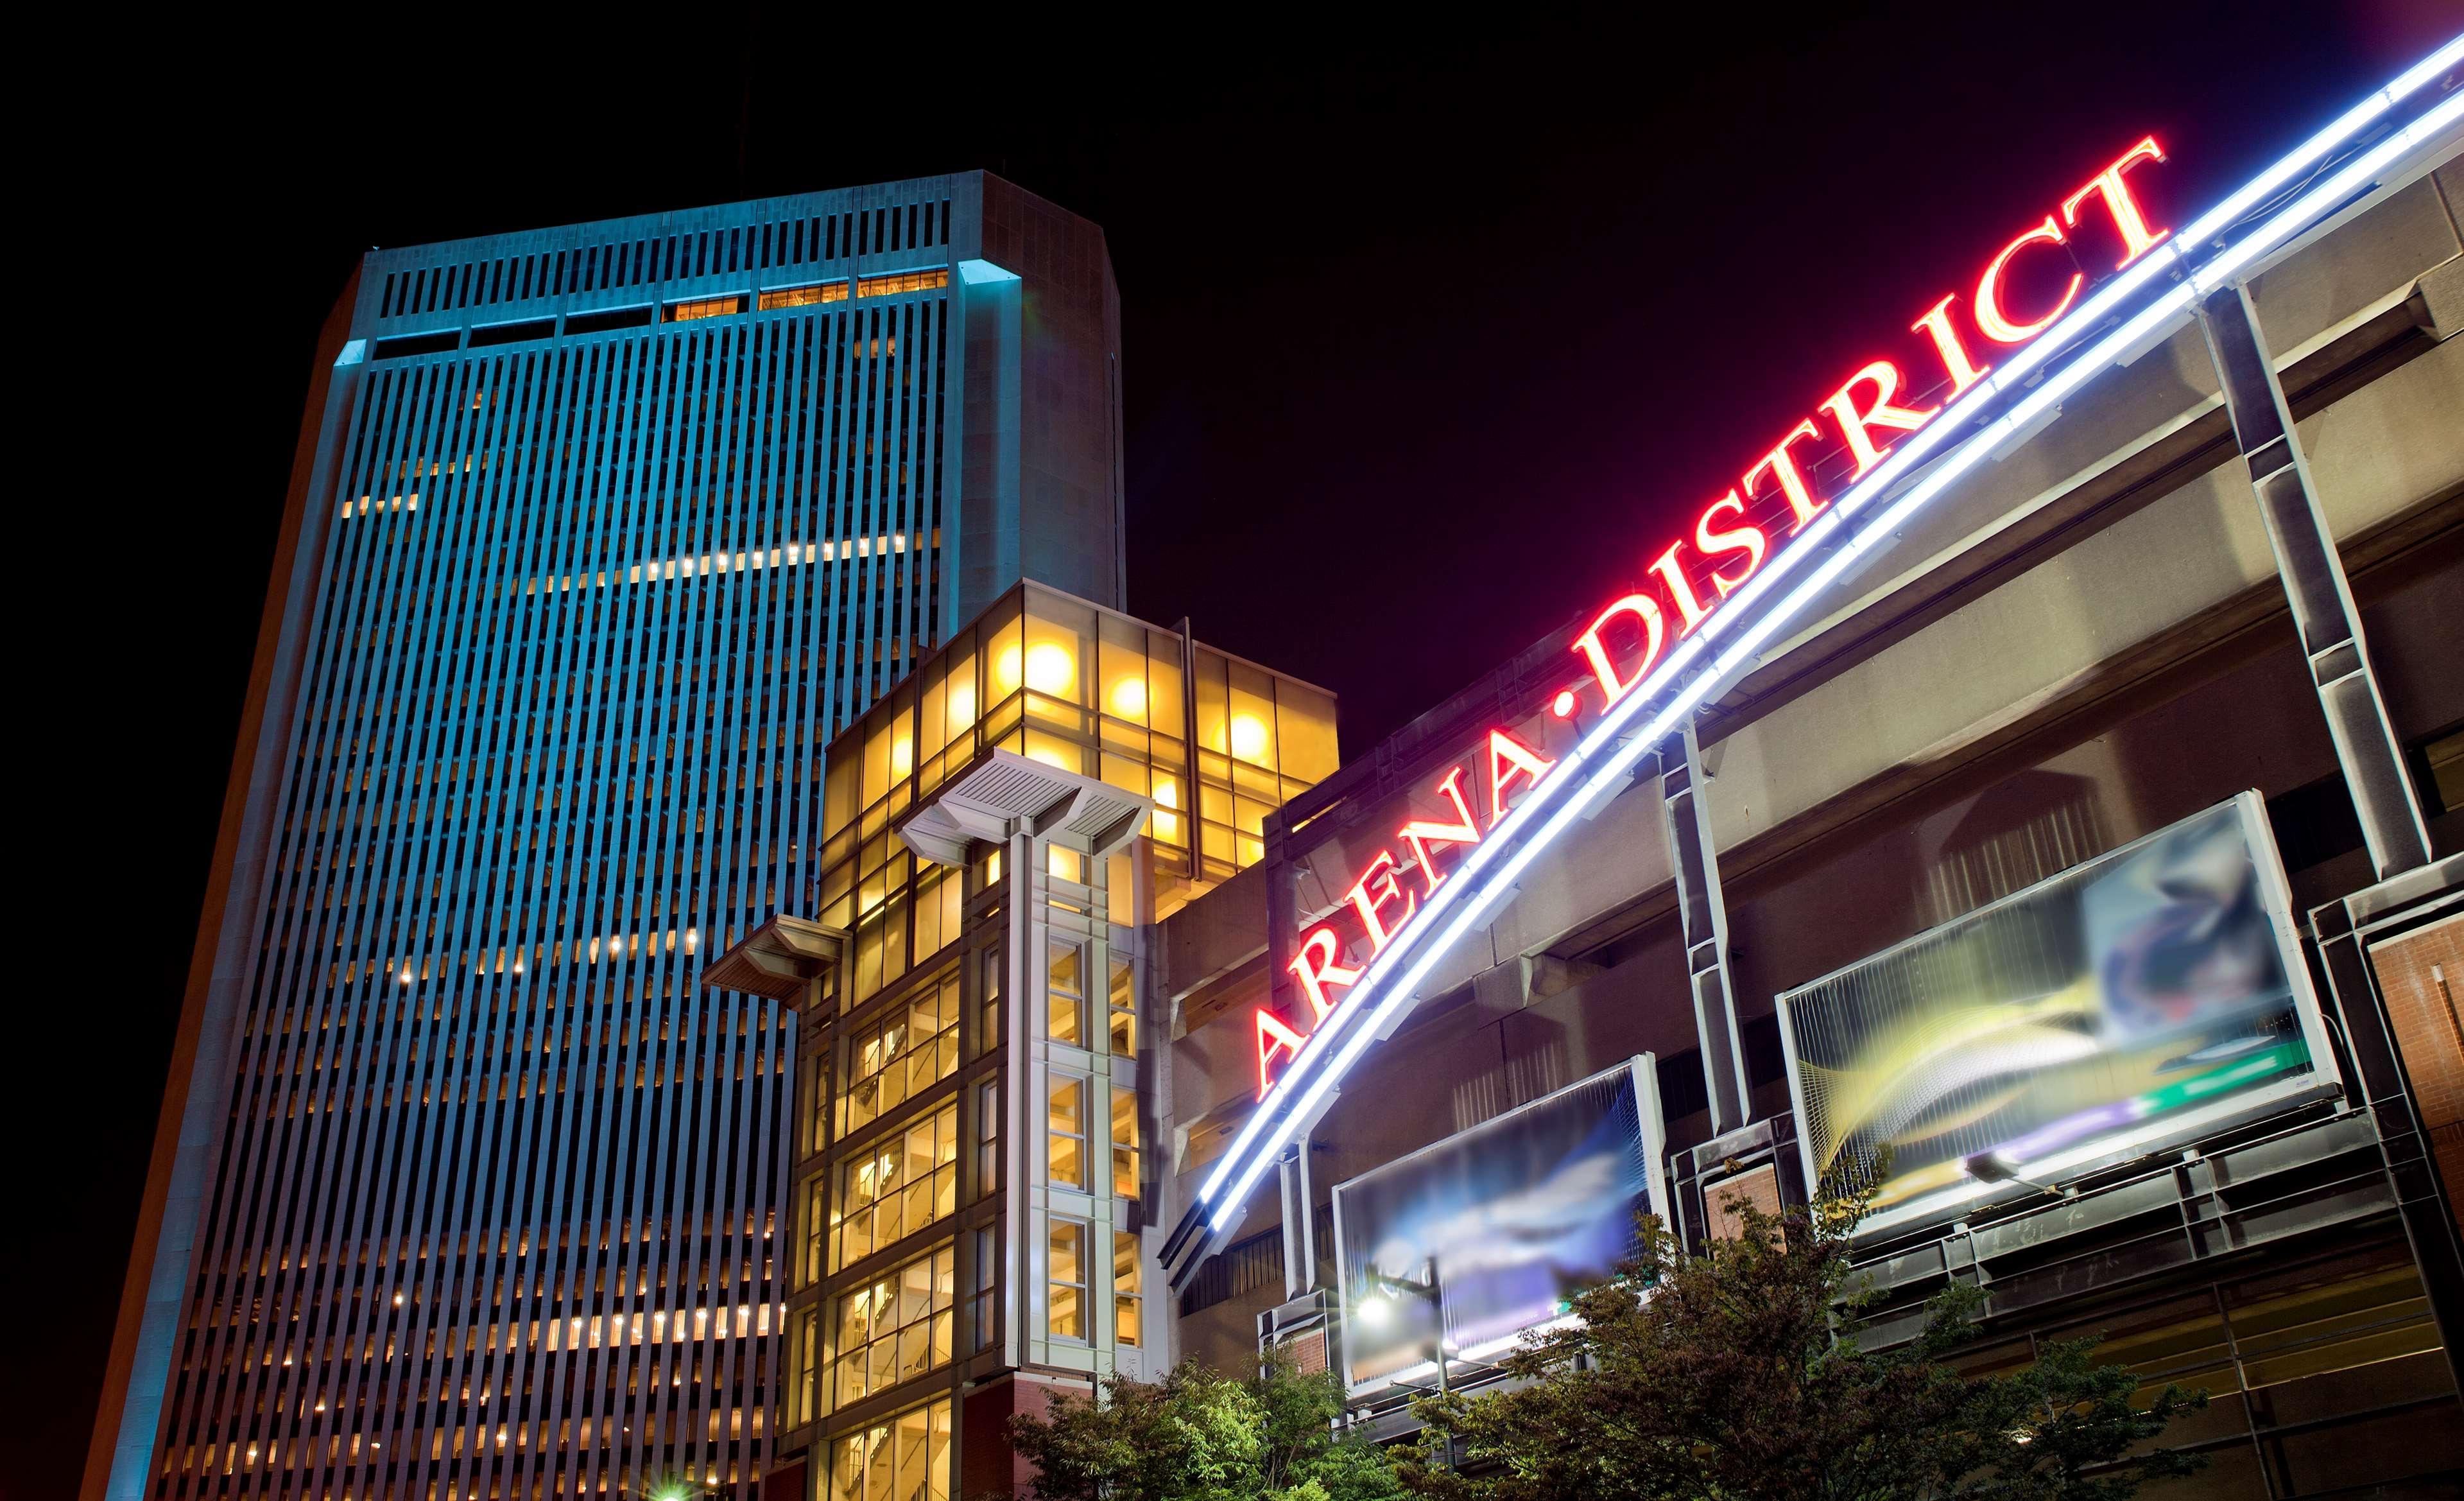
(1378, 899)
(1707, 562)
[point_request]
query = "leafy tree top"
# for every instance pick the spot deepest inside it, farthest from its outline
(1745, 1373)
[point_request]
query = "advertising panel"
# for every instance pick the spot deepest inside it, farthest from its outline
(1493, 1228)
(2123, 1005)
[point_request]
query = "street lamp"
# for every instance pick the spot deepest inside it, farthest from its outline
(1989, 1167)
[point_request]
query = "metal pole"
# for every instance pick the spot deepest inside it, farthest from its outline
(2323, 613)
(1287, 1163)
(1703, 918)
(1445, 1387)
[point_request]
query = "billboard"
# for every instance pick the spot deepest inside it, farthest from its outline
(1510, 1216)
(2126, 1004)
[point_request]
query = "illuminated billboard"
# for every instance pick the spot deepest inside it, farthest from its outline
(2123, 1005)
(1495, 1225)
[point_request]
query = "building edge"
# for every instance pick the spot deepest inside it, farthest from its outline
(187, 1132)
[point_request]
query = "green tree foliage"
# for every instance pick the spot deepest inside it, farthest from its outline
(1199, 1436)
(1741, 1376)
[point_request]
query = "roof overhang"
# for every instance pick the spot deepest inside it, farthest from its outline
(779, 958)
(1004, 794)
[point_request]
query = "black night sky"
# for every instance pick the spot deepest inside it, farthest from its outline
(1430, 329)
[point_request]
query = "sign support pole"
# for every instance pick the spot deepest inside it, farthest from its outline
(1300, 1221)
(1704, 921)
(2323, 612)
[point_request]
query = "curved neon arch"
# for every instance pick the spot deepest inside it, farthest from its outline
(1963, 436)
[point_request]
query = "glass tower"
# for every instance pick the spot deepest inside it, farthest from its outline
(973, 1151)
(465, 1186)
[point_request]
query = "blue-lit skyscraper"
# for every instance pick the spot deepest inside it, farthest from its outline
(464, 1186)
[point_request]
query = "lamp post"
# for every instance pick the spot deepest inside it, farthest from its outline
(1989, 1167)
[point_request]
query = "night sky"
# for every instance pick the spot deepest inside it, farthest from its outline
(1431, 336)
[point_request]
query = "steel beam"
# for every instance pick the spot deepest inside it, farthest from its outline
(1705, 920)
(2330, 626)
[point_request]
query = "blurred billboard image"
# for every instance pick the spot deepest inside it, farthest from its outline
(2123, 1005)
(1510, 1217)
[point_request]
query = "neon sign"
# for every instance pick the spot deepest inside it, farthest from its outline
(1727, 544)
(2386, 140)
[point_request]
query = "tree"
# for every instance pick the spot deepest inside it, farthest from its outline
(1201, 1436)
(1742, 1374)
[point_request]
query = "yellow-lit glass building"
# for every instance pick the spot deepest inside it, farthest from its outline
(972, 1164)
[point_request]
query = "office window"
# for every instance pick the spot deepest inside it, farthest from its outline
(806, 296)
(988, 1023)
(808, 1366)
(704, 307)
(1065, 1296)
(988, 1124)
(906, 1458)
(1126, 1287)
(940, 905)
(903, 281)
(1125, 1144)
(1121, 1000)
(983, 1303)
(897, 1327)
(1066, 992)
(817, 1230)
(902, 1053)
(899, 1183)
(1066, 1132)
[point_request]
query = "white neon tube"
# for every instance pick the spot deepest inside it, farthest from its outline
(1465, 899)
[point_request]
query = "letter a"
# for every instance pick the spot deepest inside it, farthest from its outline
(1273, 1037)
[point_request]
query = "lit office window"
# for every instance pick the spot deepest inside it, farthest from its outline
(1126, 1287)
(805, 295)
(1066, 992)
(1125, 1144)
(895, 1328)
(704, 307)
(1066, 1132)
(983, 1301)
(1121, 1000)
(1067, 1275)
(808, 1366)
(896, 1185)
(902, 282)
(817, 1226)
(988, 1124)
(988, 1017)
(903, 1054)
(940, 905)
(906, 1458)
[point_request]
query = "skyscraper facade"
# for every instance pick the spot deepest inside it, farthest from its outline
(464, 1185)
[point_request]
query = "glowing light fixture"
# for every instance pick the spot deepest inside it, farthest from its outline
(1050, 669)
(1130, 700)
(1249, 737)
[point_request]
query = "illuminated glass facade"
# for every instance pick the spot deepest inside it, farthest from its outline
(972, 1165)
(471, 1186)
